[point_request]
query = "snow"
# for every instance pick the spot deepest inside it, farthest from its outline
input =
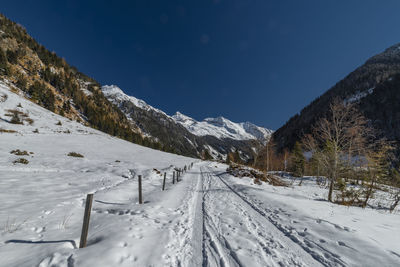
(209, 218)
(86, 92)
(334, 235)
(116, 95)
(214, 153)
(42, 202)
(359, 95)
(219, 127)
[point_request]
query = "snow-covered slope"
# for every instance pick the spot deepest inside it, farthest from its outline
(116, 96)
(221, 127)
(42, 202)
(34, 117)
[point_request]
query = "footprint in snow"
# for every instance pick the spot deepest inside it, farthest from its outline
(123, 244)
(127, 257)
(137, 236)
(58, 259)
(47, 212)
(40, 230)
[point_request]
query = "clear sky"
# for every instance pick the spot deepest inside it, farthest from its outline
(247, 60)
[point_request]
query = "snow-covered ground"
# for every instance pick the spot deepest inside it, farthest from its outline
(209, 218)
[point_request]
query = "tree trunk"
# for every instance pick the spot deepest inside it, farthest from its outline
(330, 190)
(395, 203)
(369, 193)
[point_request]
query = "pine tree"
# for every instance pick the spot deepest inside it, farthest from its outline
(298, 161)
(206, 155)
(4, 70)
(228, 160)
(12, 56)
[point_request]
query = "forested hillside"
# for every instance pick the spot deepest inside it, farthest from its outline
(51, 82)
(373, 87)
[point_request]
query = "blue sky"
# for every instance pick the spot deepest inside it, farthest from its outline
(247, 60)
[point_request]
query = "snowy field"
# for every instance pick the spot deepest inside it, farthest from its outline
(208, 219)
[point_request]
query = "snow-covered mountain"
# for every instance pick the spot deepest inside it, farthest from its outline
(221, 127)
(115, 94)
(219, 136)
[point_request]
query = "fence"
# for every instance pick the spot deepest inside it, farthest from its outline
(89, 200)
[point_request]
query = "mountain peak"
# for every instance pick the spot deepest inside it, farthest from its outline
(181, 117)
(111, 89)
(116, 96)
(222, 127)
(219, 127)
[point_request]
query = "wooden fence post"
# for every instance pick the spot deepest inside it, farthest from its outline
(173, 177)
(163, 184)
(140, 189)
(86, 219)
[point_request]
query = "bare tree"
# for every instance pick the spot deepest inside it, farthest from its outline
(395, 195)
(267, 158)
(336, 139)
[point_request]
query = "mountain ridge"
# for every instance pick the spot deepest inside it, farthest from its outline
(219, 127)
(372, 87)
(218, 141)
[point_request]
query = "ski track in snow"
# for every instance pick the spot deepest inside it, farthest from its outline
(225, 227)
(266, 246)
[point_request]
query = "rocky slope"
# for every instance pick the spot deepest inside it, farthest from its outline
(374, 87)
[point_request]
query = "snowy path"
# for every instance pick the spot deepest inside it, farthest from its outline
(231, 224)
(222, 229)
(236, 234)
